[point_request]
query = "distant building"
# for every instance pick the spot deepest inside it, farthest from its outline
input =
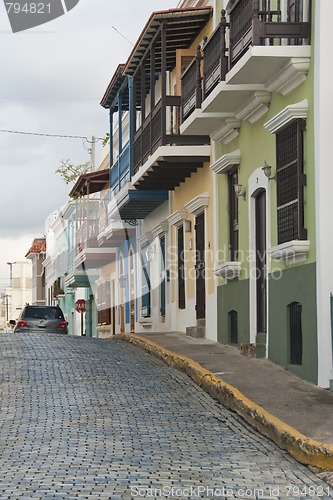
(19, 292)
(37, 254)
(2, 311)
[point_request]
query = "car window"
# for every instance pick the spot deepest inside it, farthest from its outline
(43, 313)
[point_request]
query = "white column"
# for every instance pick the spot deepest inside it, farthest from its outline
(323, 100)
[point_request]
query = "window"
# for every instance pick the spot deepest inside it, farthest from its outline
(104, 303)
(233, 216)
(290, 182)
(295, 333)
(145, 283)
(162, 282)
(181, 268)
(233, 327)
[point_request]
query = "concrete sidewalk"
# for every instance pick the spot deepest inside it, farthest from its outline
(304, 406)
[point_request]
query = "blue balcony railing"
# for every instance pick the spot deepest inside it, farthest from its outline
(120, 171)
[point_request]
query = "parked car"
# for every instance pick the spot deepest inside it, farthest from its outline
(48, 319)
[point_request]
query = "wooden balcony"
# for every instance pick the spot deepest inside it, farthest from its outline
(273, 48)
(263, 47)
(191, 87)
(162, 157)
(260, 22)
(158, 159)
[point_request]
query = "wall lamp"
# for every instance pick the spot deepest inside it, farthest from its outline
(267, 169)
(150, 252)
(187, 226)
(240, 191)
(122, 280)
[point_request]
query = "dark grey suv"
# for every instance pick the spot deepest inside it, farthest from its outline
(48, 319)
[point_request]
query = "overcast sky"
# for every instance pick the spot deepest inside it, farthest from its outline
(52, 80)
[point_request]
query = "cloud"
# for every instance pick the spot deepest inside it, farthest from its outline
(52, 80)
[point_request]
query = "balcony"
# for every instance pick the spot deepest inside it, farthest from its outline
(78, 277)
(86, 235)
(256, 23)
(120, 171)
(89, 254)
(260, 50)
(117, 232)
(131, 204)
(164, 158)
(128, 203)
(103, 217)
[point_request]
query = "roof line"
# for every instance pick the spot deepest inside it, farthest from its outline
(155, 14)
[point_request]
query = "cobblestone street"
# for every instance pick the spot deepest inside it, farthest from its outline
(89, 418)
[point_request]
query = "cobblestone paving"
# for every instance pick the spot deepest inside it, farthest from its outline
(96, 419)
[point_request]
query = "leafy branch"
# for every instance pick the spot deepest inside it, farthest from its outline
(70, 172)
(106, 139)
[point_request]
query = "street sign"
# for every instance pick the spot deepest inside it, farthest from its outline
(80, 306)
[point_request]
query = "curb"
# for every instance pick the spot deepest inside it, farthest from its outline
(305, 450)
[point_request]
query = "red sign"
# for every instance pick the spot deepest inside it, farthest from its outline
(80, 306)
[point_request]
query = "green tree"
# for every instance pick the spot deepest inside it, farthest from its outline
(70, 172)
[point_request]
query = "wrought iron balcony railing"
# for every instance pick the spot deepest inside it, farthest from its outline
(191, 86)
(161, 128)
(251, 23)
(266, 22)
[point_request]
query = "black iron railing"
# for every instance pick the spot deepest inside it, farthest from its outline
(192, 86)
(197, 84)
(148, 137)
(215, 57)
(188, 89)
(154, 132)
(260, 22)
(251, 22)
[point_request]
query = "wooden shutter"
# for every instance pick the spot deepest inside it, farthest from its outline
(233, 327)
(290, 181)
(295, 331)
(181, 268)
(162, 283)
(200, 281)
(233, 216)
(145, 283)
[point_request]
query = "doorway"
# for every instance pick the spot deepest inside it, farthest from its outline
(162, 278)
(132, 292)
(122, 297)
(200, 266)
(261, 262)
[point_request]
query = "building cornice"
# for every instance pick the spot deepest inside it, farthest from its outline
(288, 114)
(198, 204)
(177, 217)
(227, 162)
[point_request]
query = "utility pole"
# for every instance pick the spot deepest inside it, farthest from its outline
(7, 306)
(92, 153)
